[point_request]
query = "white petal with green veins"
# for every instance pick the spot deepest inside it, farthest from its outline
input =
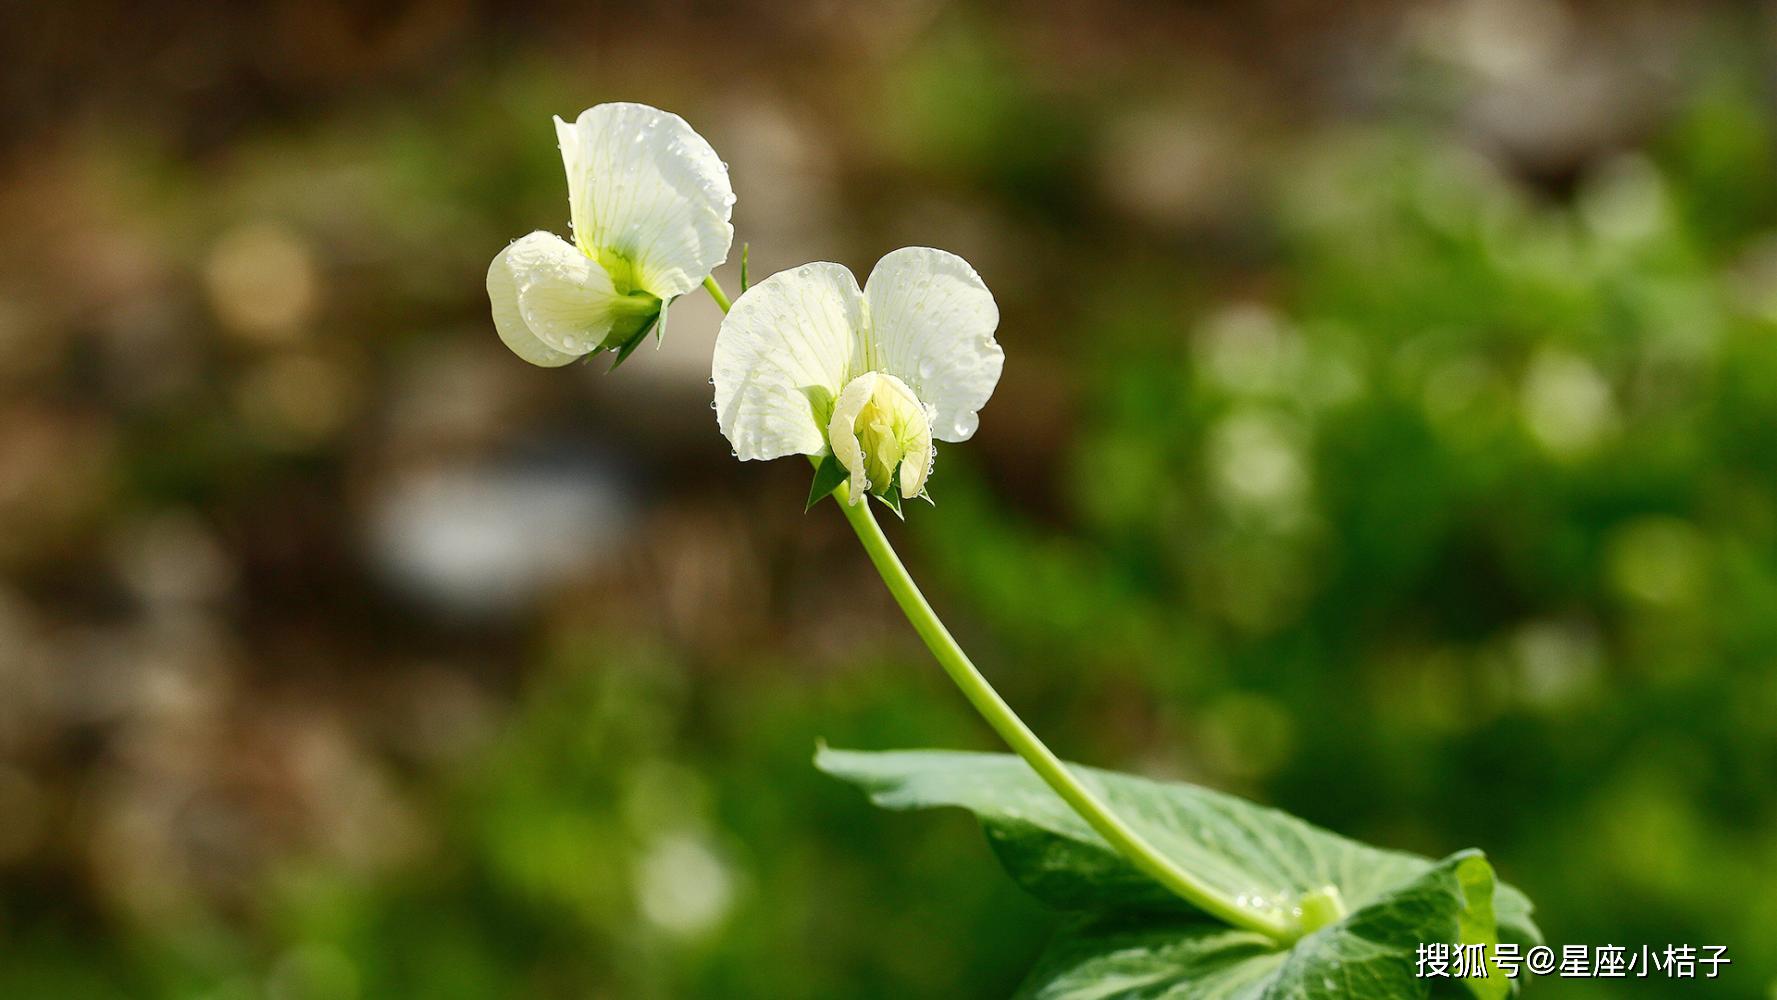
(932, 322)
(644, 186)
(788, 341)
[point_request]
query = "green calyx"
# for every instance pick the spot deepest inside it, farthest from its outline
(631, 316)
(635, 309)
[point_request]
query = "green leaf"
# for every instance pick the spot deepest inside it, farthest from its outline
(827, 477)
(1371, 954)
(1130, 930)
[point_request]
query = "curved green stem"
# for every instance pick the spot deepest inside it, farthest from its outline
(975, 687)
(714, 287)
(1020, 738)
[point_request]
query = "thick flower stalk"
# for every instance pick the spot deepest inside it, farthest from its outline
(649, 202)
(864, 381)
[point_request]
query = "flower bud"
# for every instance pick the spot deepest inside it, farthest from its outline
(879, 430)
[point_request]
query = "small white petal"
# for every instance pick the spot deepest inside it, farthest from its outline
(644, 185)
(842, 431)
(502, 293)
(564, 297)
(792, 334)
(914, 469)
(932, 321)
(567, 136)
(916, 464)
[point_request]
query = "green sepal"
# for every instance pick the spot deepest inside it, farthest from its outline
(744, 283)
(622, 354)
(891, 497)
(656, 323)
(827, 477)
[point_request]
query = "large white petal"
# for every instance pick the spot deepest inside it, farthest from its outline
(931, 323)
(502, 293)
(793, 333)
(564, 297)
(567, 136)
(644, 185)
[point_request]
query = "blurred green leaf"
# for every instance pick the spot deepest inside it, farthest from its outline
(1244, 852)
(1371, 954)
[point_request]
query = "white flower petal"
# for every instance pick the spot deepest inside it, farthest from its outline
(567, 136)
(564, 298)
(644, 185)
(842, 431)
(916, 463)
(932, 321)
(502, 293)
(793, 333)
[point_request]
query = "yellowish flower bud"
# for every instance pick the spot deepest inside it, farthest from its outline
(880, 429)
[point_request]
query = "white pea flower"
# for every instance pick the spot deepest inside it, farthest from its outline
(807, 364)
(649, 202)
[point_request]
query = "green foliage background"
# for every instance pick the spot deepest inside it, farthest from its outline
(1418, 483)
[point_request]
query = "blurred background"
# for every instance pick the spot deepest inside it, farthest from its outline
(1388, 433)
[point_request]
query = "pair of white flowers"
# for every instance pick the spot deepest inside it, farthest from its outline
(806, 362)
